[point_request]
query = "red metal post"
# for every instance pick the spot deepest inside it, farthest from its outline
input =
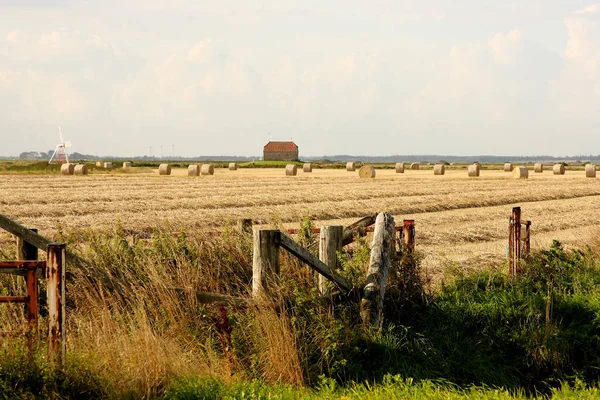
(408, 235)
(56, 294)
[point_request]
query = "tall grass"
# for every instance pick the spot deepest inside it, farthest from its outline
(151, 337)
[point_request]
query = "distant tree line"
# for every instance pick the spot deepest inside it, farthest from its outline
(37, 155)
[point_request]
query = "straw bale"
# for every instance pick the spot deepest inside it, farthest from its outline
(291, 170)
(590, 171)
(508, 167)
(414, 166)
(520, 173)
(400, 168)
(473, 170)
(126, 165)
(232, 166)
(81, 169)
(439, 169)
(307, 167)
(193, 170)
(108, 165)
(67, 169)
(558, 169)
(207, 169)
(164, 169)
(366, 171)
(538, 168)
(350, 166)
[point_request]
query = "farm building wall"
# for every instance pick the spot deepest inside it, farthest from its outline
(280, 155)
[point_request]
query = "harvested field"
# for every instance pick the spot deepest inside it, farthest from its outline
(460, 222)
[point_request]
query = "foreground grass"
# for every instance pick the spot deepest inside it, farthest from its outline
(150, 337)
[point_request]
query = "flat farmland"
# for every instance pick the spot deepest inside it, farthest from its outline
(461, 222)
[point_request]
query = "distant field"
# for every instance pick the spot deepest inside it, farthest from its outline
(461, 222)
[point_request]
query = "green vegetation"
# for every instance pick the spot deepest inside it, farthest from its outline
(478, 336)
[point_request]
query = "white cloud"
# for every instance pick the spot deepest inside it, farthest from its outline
(577, 91)
(593, 9)
(506, 46)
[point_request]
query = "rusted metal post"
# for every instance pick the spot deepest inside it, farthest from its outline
(527, 246)
(265, 263)
(28, 252)
(56, 296)
(514, 242)
(408, 236)
(330, 244)
(383, 250)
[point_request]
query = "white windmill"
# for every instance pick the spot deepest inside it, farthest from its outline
(60, 155)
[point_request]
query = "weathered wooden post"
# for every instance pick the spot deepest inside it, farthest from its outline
(246, 225)
(527, 249)
(382, 252)
(26, 251)
(330, 244)
(265, 262)
(514, 242)
(56, 298)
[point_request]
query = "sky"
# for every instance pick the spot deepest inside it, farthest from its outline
(384, 77)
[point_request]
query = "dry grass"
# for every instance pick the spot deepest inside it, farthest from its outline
(459, 220)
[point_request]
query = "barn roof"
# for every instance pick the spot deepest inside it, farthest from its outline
(281, 147)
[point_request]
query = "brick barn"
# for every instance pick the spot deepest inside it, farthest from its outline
(280, 151)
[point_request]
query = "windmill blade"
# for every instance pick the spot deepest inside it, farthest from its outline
(61, 136)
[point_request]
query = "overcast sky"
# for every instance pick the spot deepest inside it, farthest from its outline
(454, 77)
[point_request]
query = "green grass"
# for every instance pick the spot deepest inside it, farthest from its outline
(483, 335)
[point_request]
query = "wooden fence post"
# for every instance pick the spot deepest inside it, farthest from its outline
(56, 299)
(246, 225)
(330, 243)
(265, 262)
(26, 251)
(527, 249)
(514, 242)
(382, 251)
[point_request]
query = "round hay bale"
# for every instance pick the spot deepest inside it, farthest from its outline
(439, 169)
(291, 170)
(400, 168)
(558, 169)
(538, 168)
(164, 169)
(207, 169)
(193, 170)
(67, 169)
(414, 166)
(99, 164)
(81, 169)
(126, 165)
(307, 167)
(350, 166)
(520, 173)
(366, 171)
(108, 165)
(232, 166)
(508, 167)
(590, 171)
(473, 170)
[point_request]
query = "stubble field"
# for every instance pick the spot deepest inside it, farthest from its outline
(461, 222)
